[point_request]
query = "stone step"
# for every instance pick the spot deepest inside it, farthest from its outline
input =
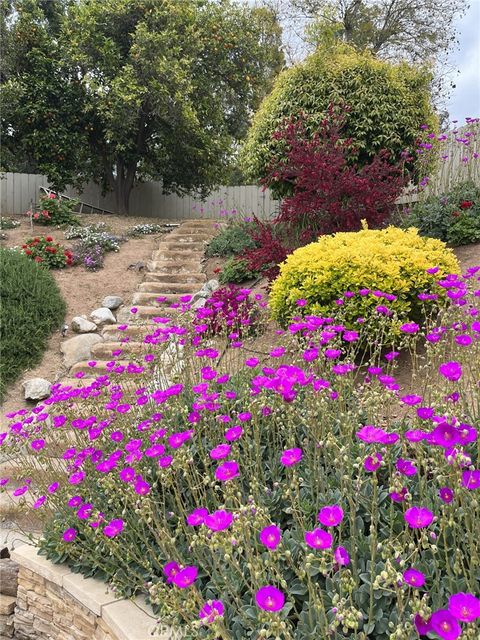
(179, 288)
(185, 278)
(145, 312)
(187, 239)
(99, 369)
(174, 245)
(151, 299)
(178, 255)
(177, 268)
(77, 383)
(113, 333)
(103, 350)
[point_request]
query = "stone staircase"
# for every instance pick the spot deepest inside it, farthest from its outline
(174, 271)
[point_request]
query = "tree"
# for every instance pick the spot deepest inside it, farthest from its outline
(413, 30)
(387, 104)
(160, 90)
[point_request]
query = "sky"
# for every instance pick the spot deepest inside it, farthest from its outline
(465, 98)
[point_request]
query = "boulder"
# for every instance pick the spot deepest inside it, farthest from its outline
(78, 349)
(102, 316)
(37, 388)
(206, 291)
(8, 577)
(82, 325)
(112, 302)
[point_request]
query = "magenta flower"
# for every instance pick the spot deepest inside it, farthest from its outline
(38, 444)
(170, 569)
(270, 536)
(113, 528)
(269, 598)
(471, 479)
(445, 435)
(219, 520)
(418, 517)
(75, 501)
(443, 623)
(413, 577)
(234, 433)
(409, 327)
(39, 502)
(318, 539)
(370, 434)
(227, 471)
(464, 607)
(185, 577)
(451, 370)
(291, 456)
(77, 477)
(69, 535)
(211, 610)
(330, 516)
(341, 556)
(446, 494)
(406, 467)
(371, 463)
(221, 451)
(197, 517)
(422, 626)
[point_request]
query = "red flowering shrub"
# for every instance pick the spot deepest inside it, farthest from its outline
(49, 254)
(328, 192)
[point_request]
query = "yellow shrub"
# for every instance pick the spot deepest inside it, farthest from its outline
(391, 260)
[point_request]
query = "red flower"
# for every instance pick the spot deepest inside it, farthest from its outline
(38, 259)
(28, 252)
(455, 214)
(49, 238)
(466, 204)
(217, 270)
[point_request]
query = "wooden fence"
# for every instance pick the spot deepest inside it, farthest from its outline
(459, 160)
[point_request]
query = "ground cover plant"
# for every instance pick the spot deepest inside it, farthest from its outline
(31, 308)
(453, 216)
(93, 241)
(294, 493)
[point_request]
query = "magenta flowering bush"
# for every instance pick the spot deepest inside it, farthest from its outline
(293, 492)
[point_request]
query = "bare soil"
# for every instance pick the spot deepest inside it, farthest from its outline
(82, 290)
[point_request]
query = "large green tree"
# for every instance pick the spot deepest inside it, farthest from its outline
(147, 89)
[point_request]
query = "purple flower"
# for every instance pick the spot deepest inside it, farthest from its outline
(69, 535)
(170, 569)
(233, 433)
(409, 327)
(341, 556)
(219, 520)
(39, 502)
(406, 467)
(443, 623)
(371, 463)
(211, 610)
(197, 517)
(318, 539)
(418, 517)
(446, 494)
(330, 516)
(451, 370)
(185, 577)
(422, 626)
(221, 451)
(414, 578)
(269, 598)
(471, 479)
(291, 456)
(77, 477)
(370, 434)
(270, 536)
(464, 607)
(227, 471)
(113, 528)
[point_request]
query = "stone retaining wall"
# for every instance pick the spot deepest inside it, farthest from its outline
(55, 604)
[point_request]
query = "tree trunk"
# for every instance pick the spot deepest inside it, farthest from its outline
(122, 195)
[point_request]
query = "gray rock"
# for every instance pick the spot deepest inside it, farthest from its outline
(206, 291)
(78, 349)
(112, 302)
(199, 303)
(37, 389)
(102, 316)
(8, 577)
(82, 325)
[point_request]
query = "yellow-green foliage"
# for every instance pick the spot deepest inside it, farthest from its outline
(391, 260)
(388, 104)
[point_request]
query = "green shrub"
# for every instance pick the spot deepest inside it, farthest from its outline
(388, 104)
(9, 223)
(390, 260)
(235, 271)
(453, 217)
(31, 308)
(52, 210)
(232, 240)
